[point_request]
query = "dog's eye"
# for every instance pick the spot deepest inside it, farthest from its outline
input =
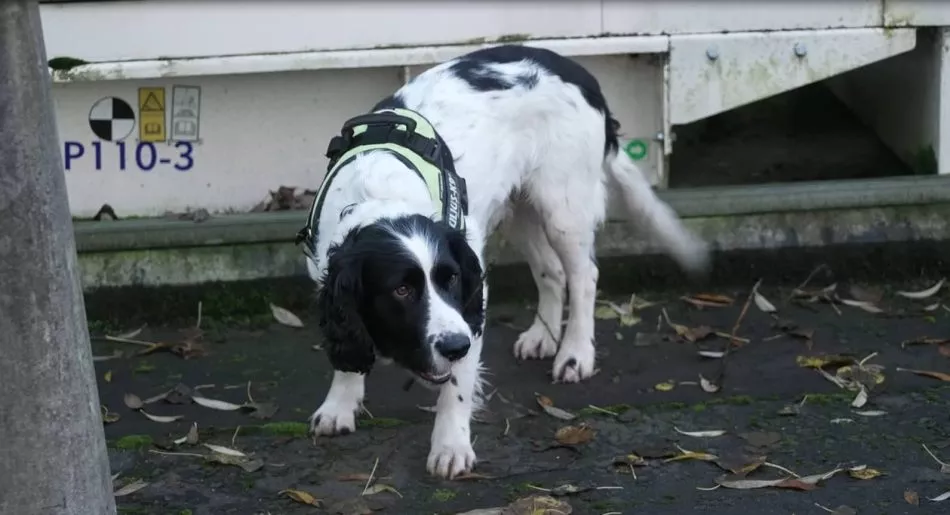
(402, 291)
(453, 280)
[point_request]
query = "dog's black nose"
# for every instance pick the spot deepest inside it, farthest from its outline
(453, 346)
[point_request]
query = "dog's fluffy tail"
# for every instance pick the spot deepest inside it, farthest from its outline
(648, 212)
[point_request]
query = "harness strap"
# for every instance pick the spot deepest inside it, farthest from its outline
(409, 137)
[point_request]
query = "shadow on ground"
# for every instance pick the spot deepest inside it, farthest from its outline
(645, 393)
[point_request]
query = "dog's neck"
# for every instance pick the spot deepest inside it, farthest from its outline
(374, 186)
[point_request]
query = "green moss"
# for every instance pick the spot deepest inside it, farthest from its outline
(381, 422)
(133, 442)
(443, 495)
(513, 38)
(184, 512)
(143, 368)
(65, 63)
(295, 429)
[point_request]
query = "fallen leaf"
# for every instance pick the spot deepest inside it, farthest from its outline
(707, 385)
(130, 488)
(912, 497)
(936, 375)
(739, 463)
(548, 406)
(631, 460)
(690, 455)
(701, 434)
(751, 484)
(130, 334)
(109, 417)
(248, 464)
(861, 399)
(574, 435)
(107, 377)
(940, 498)
(132, 401)
(538, 505)
(378, 488)
(227, 451)
(925, 340)
(867, 294)
(664, 387)
(629, 320)
(864, 473)
(822, 361)
(215, 404)
(300, 496)
(285, 317)
(262, 410)
(191, 437)
(606, 313)
(354, 506)
(761, 438)
(762, 303)
(163, 419)
(708, 300)
(922, 294)
(871, 413)
(866, 306)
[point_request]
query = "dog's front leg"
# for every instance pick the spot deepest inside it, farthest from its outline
(451, 453)
(337, 414)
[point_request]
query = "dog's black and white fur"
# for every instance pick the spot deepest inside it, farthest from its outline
(533, 137)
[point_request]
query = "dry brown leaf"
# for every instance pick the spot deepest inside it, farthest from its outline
(912, 497)
(822, 361)
(922, 294)
(248, 464)
(630, 460)
(936, 375)
(708, 300)
(691, 455)
(750, 484)
(739, 463)
(130, 488)
(574, 435)
(866, 306)
(538, 505)
(300, 496)
(864, 473)
(548, 406)
(109, 417)
(285, 317)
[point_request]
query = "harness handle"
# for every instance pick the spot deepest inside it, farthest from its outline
(376, 119)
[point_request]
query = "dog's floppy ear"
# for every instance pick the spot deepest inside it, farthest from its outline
(472, 280)
(348, 343)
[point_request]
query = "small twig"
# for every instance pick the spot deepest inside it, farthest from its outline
(234, 437)
(507, 427)
(829, 510)
(779, 467)
(942, 464)
(807, 280)
(602, 410)
(166, 453)
(130, 340)
(865, 360)
(633, 471)
(369, 480)
(720, 376)
(249, 398)
(198, 322)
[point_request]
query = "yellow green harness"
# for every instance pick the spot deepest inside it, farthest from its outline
(410, 138)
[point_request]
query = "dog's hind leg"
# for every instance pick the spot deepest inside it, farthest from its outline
(571, 204)
(526, 231)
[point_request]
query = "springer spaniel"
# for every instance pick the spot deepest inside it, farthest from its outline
(400, 274)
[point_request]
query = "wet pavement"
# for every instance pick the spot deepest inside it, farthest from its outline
(630, 419)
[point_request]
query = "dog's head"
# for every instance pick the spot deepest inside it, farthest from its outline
(408, 289)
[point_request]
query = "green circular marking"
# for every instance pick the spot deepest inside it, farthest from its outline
(636, 149)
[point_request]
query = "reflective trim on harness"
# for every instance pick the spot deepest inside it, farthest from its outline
(413, 140)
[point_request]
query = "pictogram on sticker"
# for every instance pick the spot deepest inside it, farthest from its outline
(152, 114)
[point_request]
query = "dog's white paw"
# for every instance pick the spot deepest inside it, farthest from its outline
(574, 363)
(451, 458)
(333, 419)
(535, 343)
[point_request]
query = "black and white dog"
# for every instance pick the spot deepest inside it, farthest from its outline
(531, 136)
